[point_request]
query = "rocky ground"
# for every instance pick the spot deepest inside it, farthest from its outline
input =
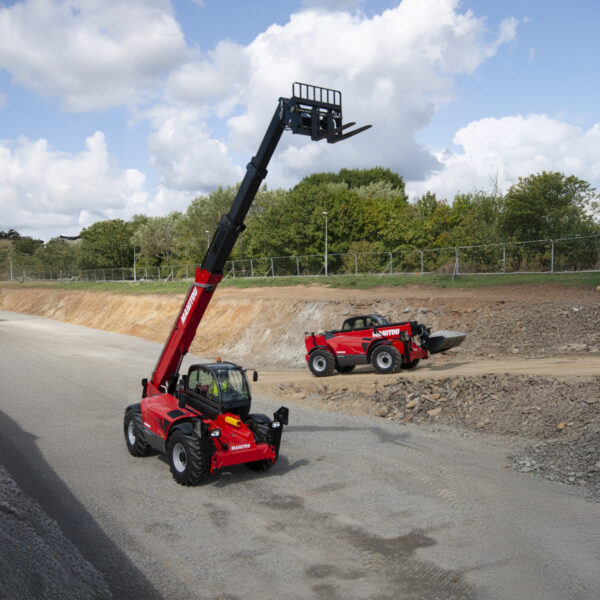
(36, 559)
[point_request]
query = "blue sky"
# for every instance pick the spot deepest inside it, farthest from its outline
(108, 109)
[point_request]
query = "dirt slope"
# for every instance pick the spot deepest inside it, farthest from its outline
(266, 325)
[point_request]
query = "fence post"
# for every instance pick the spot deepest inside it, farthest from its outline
(233, 268)
(272, 268)
(422, 264)
(297, 267)
(504, 258)
(456, 263)
(552, 258)
(391, 263)
(251, 267)
(355, 264)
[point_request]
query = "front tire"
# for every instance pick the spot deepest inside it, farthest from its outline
(185, 458)
(136, 444)
(386, 359)
(321, 363)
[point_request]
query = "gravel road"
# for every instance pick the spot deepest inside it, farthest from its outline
(357, 507)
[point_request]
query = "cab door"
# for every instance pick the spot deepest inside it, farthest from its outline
(350, 346)
(202, 391)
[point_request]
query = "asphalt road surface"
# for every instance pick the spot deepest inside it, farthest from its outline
(355, 508)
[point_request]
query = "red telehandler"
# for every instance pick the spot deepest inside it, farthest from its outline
(201, 420)
(366, 339)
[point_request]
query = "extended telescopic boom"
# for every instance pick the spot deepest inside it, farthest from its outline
(313, 111)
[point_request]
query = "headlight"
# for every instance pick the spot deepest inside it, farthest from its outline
(275, 424)
(215, 433)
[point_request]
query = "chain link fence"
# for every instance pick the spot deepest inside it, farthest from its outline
(566, 255)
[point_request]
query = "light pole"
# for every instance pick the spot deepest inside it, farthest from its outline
(325, 213)
(134, 277)
(207, 238)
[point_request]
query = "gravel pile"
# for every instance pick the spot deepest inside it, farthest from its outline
(36, 559)
(538, 330)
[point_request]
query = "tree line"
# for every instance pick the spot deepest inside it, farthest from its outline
(368, 210)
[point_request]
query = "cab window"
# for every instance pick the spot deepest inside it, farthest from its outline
(359, 324)
(233, 387)
(202, 382)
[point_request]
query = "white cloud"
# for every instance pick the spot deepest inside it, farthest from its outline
(92, 54)
(207, 110)
(183, 152)
(45, 192)
(499, 151)
(394, 69)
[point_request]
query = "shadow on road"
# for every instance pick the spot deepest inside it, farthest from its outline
(383, 436)
(26, 465)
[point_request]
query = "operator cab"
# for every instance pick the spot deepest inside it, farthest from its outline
(364, 322)
(218, 388)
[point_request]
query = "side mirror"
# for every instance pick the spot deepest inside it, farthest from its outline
(255, 376)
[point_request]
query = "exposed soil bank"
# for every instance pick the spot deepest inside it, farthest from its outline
(266, 326)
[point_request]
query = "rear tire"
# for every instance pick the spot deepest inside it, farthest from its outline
(386, 359)
(321, 363)
(345, 369)
(136, 444)
(185, 458)
(412, 364)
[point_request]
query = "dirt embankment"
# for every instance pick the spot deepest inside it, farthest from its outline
(266, 326)
(529, 368)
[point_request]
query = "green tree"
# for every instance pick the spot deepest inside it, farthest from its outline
(355, 178)
(476, 218)
(107, 244)
(359, 207)
(57, 256)
(549, 206)
(159, 239)
(425, 223)
(202, 215)
(27, 245)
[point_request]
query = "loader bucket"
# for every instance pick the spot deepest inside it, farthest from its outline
(440, 341)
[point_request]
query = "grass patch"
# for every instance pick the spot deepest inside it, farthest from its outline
(576, 280)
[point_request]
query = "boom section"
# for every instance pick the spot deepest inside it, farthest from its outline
(311, 110)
